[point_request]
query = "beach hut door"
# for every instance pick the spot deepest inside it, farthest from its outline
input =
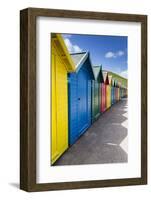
(82, 102)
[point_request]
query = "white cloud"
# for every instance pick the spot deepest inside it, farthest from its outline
(76, 48)
(124, 74)
(111, 54)
(120, 53)
(72, 48)
(68, 44)
(66, 35)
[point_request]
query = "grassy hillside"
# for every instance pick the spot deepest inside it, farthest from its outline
(119, 78)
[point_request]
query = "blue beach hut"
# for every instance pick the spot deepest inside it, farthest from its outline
(79, 94)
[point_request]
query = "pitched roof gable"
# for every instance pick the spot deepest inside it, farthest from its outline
(63, 51)
(80, 58)
(110, 79)
(98, 73)
(105, 77)
(96, 70)
(112, 82)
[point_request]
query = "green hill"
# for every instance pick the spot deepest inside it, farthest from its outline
(123, 80)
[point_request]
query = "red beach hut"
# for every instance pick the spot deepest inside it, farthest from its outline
(103, 91)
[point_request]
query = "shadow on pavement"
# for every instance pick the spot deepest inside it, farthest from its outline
(100, 144)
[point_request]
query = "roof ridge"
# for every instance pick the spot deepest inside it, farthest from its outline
(82, 52)
(97, 66)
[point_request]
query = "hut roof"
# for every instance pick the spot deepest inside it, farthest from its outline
(105, 77)
(110, 79)
(112, 82)
(80, 58)
(98, 73)
(123, 81)
(63, 51)
(96, 70)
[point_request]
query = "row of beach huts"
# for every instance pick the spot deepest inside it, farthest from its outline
(80, 94)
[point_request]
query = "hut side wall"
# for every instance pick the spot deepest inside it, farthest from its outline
(59, 107)
(95, 100)
(103, 97)
(108, 96)
(79, 86)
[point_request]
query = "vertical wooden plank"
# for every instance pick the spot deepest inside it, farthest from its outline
(23, 99)
(92, 101)
(144, 100)
(27, 101)
(54, 146)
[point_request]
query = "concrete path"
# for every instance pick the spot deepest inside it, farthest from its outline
(105, 141)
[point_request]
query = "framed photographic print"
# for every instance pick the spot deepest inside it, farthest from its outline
(83, 99)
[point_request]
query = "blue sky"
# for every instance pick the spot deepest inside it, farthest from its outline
(108, 51)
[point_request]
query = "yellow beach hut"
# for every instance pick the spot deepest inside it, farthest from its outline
(61, 64)
(108, 101)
